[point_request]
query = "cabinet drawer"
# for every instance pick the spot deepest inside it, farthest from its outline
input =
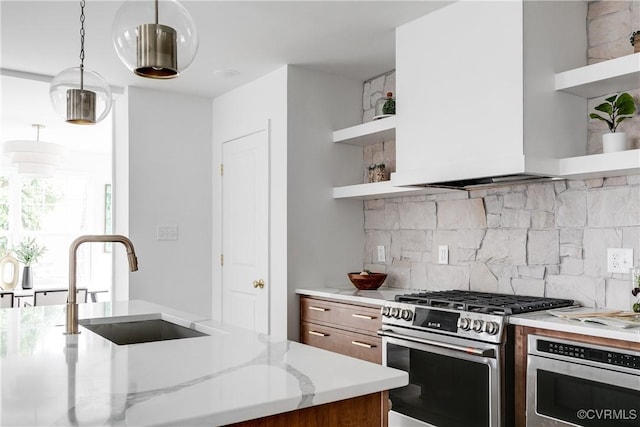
(361, 346)
(345, 316)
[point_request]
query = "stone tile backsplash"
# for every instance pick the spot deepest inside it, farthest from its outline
(546, 239)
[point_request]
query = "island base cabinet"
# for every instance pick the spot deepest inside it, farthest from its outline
(369, 410)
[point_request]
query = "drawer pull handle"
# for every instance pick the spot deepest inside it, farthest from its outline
(362, 344)
(318, 308)
(363, 316)
(318, 334)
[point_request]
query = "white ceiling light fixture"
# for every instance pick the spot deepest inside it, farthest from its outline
(155, 42)
(35, 157)
(80, 97)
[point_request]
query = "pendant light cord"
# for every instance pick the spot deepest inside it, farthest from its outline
(82, 4)
(156, 12)
(37, 131)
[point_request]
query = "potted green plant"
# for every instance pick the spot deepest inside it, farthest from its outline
(616, 109)
(28, 252)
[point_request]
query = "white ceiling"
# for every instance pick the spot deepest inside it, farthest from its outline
(354, 39)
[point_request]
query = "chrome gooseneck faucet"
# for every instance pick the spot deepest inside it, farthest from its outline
(72, 306)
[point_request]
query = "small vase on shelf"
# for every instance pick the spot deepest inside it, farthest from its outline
(615, 141)
(385, 107)
(27, 277)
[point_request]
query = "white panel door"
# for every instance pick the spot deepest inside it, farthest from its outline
(245, 233)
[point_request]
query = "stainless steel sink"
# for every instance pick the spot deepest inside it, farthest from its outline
(139, 329)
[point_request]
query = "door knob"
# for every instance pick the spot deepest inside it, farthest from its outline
(258, 283)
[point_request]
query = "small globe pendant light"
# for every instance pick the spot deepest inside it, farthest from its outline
(155, 42)
(79, 96)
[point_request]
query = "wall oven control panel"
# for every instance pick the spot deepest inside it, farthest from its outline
(607, 356)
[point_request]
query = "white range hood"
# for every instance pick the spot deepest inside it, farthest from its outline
(476, 98)
(471, 173)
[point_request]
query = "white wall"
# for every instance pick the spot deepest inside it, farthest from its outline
(120, 193)
(169, 183)
(314, 240)
(325, 236)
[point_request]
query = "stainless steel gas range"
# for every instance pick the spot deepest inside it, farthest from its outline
(457, 348)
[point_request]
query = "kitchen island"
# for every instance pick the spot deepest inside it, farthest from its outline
(229, 376)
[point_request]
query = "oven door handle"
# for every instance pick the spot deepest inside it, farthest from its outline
(484, 352)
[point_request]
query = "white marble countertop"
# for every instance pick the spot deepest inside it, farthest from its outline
(232, 375)
(351, 294)
(544, 320)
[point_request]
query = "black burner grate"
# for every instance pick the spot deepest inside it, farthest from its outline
(484, 302)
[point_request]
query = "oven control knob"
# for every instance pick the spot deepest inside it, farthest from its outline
(385, 311)
(491, 328)
(395, 312)
(407, 314)
(477, 325)
(464, 323)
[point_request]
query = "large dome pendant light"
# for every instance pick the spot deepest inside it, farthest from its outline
(79, 96)
(161, 49)
(34, 157)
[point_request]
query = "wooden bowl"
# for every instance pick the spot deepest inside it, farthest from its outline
(367, 282)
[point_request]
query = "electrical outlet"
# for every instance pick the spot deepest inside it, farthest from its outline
(381, 257)
(443, 254)
(167, 232)
(619, 260)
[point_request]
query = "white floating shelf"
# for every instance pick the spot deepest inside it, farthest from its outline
(603, 78)
(367, 133)
(600, 165)
(381, 190)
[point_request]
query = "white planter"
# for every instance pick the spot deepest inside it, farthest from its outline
(612, 142)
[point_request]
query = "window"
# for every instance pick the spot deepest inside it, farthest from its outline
(55, 210)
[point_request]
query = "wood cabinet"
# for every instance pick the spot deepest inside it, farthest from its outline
(520, 362)
(345, 328)
(368, 410)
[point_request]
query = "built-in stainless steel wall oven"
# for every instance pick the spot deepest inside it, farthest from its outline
(578, 384)
(458, 353)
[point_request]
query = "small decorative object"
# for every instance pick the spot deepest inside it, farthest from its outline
(635, 288)
(617, 108)
(28, 252)
(370, 172)
(385, 107)
(9, 281)
(635, 41)
(366, 280)
(377, 173)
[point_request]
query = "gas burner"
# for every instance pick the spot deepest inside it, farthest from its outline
(483, 302)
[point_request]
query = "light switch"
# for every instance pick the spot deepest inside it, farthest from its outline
(167, 232)
(443, 254)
